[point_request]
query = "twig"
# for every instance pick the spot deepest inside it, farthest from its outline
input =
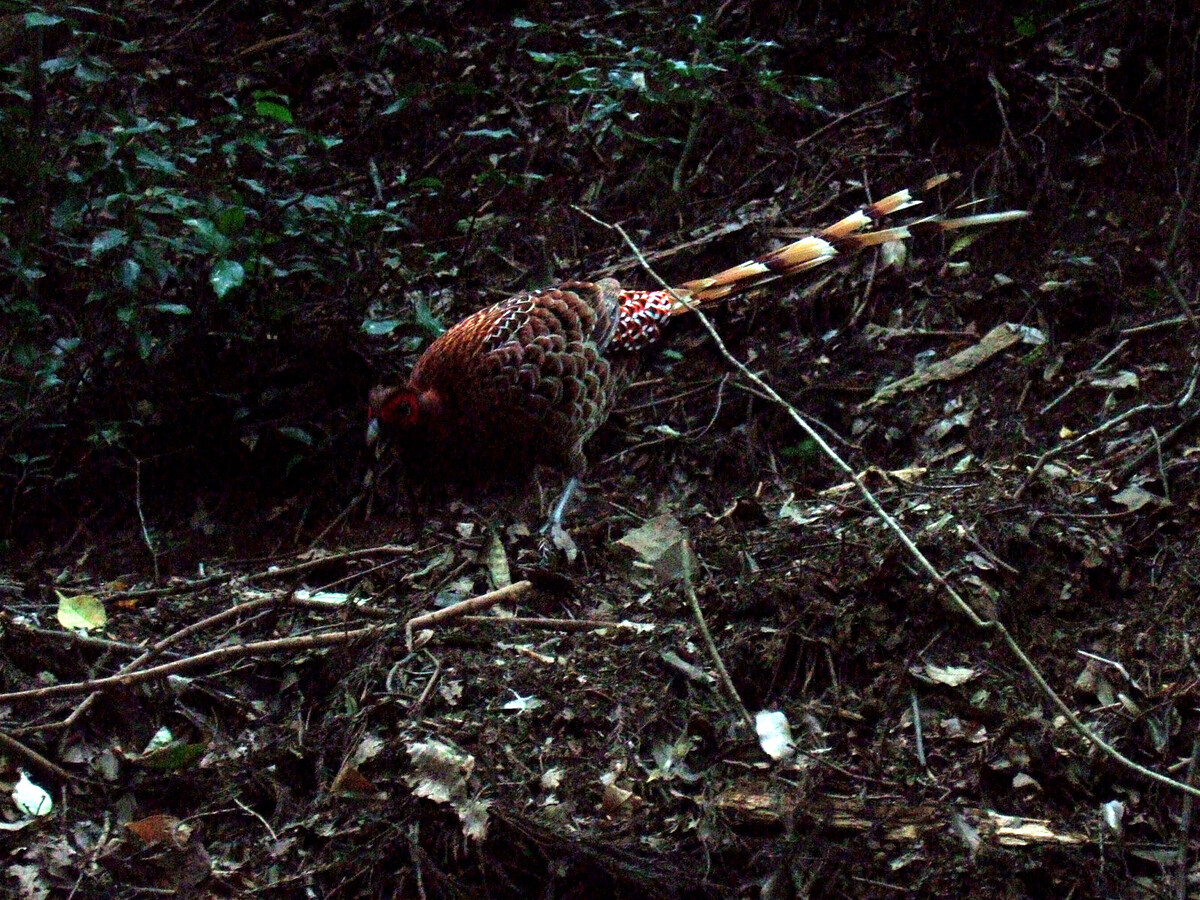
(922, 561)
(278, 572)
(69, 637)
(828, 126)
(1185, 825)
(1162, 469)
(1154, 326)
(722, 673)
(157, 650)
(16, 748)
(1165, 441)
(189, 26)
(419, 703)
(199, 661)
(689, 145)
(1111, 662)
(460, 609)
(415, 855)
(551, 624)
(1079, 439)
(271, 42)
(265, 824)
(916, 714)
(142, 518)
(1185, 204)
(1165, 274)
(1092, 369)
(337, 520)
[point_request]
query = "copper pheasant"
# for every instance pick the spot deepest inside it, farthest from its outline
(530, 379)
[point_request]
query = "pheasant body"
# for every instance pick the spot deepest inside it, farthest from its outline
(531, 378)
(527, 380)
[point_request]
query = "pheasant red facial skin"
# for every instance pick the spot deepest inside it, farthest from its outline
(530, 379)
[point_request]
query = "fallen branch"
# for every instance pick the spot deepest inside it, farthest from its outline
(462, 608)
(13, 747)
(199, 661)
(152, 652)
(549, 624)
(275, 572)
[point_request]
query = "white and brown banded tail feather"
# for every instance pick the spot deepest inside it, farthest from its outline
(847, 235)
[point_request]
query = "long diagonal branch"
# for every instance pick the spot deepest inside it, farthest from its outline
(956, 599)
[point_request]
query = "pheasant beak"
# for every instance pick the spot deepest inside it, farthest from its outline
(372, 431)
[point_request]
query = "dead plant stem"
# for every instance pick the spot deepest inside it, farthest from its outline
(698, 614)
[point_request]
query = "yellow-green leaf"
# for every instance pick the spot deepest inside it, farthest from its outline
(81, 611)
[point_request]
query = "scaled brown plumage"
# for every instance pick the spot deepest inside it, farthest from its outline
(521, 382)
(530, 379)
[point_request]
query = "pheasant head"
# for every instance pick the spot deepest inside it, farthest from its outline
(397, 411)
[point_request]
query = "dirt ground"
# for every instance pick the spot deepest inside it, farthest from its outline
(1022, 406)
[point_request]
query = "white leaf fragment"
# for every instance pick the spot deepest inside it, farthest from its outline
(774, 734)
(31, 799)
(1113, 814)
(952, 676)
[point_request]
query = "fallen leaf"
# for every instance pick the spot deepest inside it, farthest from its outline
(999, 338)
(31, 799)
(661, 544)
(952, 676)
(774, 734)
(1135, 497)
(81, 611)
(1123, 380)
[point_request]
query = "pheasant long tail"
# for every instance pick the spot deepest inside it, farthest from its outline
(643, 313)
(848, 235)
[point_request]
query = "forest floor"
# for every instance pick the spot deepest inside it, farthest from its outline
(1021, 407)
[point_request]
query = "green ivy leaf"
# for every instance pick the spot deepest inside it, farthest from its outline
(226, 274)
(58, 64)
(426, 320)
(428, 44)
(41, 20)
(152, 160)
(297, 434)
(207, 231)
(90, 74)
(231, 219)
(128, 273)
(269, 109)
(107, 240)
(380, 327)
(177, 309)
(316, 202)
(1024, 26)
(173, 757)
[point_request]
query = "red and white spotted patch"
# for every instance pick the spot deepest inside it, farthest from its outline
(640, 318)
